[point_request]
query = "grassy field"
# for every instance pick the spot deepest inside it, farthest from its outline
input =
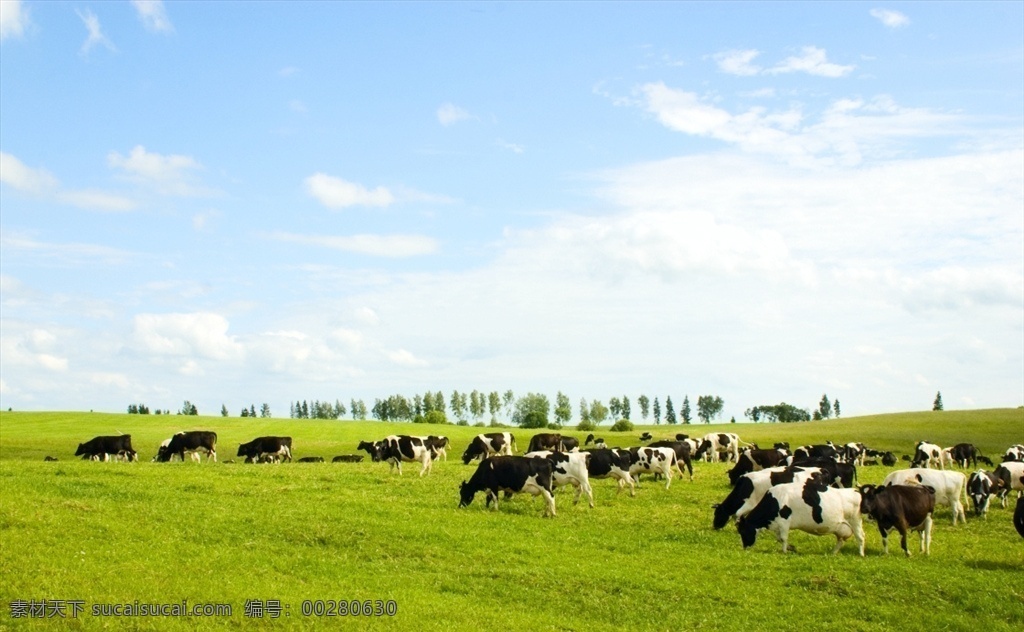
(106, 533)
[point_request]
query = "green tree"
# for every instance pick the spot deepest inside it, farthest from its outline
(825, 407)
(585, 412)
(685, 411)
(598, 412)
(657, 412)
(532, 411)
(625, 408)
(670, 411)
(244, 413)
(835, 408)
(937, 404)
(563, 409)
(709, 407)
(477, 404)
(494, 405)
(615, 408)
(645, 406)
(508, 400)
(223, 410)
(458, 406)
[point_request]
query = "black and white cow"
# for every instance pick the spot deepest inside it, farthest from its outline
(817, 451)
(397, 448)
(1014, 453)
(347, 458)
(570, 444)
(715, 443)
(646, 437)
(750, 488)
(98, 448)
(900, 507)
(1011, 473)
(843, 474)
(372, 448)
(949, 486)
(195, 442)
(311, 459)
(440, 445)
(1018, 516)
(606, 463)
(925, 453)
(682, 450)
(488, 444)
(569, 468)
(510, 474)
(981, 486)
(810, 507)
(852, 453)
(753, 459)
(545, 441)
(652, 460)
(281, 446)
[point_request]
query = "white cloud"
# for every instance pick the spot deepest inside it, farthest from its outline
(396, 246)
(890, 18)
(153, 15)
(190, 335)
(334, 192)
(17, 175)
(513, 147)
(738, 62)
(168, 175)
(14, 19)
(95, 36)
(65, 253)
(846, 131)
(40, 182)
(813, 61)
(449, 114)
(405, 358)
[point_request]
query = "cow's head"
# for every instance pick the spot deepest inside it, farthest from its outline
(472, 451)
(748, 534)
(81, 449)
(242, 451)
(466, 494)
(703, 448)
(374, 449)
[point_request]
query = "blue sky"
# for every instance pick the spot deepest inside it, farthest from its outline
(238, 203)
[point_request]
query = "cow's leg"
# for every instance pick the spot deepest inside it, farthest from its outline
(858, 534)
(926, 535)
(426, 464)
(550, 500)
(885, 537)
(901, 526)
(668, 475)
(590, 493)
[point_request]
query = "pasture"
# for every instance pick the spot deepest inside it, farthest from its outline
(116, 533)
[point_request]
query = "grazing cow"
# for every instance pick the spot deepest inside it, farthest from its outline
(753, 459)
(569, 468)
(347, 458)
(1014, 453)
(311, 459)
(888, 459)
(719, 443)
(589, 439)
(1018, 517)
(1011, 473)
(50, 458)
(163, 455)
(266, 457)
(986, 461)
(491, 443)
(810, 507)
(194, 442)
(646, 437)
(570, 444)
(948, 486)
(903, 507)
(439, 445)
(981, 485)
(545, 441)
(842, 474)
(925, 453)
(98, 448)
(817, 451)
(652, 460)
(280, 446)
(682, 450)
(397, 448)
(372, 448)
(750, 488)
(614, 463)
(511, 474)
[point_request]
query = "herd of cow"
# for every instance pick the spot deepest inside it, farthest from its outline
(812, 489)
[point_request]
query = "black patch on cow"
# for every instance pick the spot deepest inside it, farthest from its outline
(724, 440)
(785, 512)
(743, 490)
(811, 495)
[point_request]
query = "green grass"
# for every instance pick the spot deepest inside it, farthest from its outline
(116, 533)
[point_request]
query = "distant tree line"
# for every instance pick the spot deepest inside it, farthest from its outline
(787, 413)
